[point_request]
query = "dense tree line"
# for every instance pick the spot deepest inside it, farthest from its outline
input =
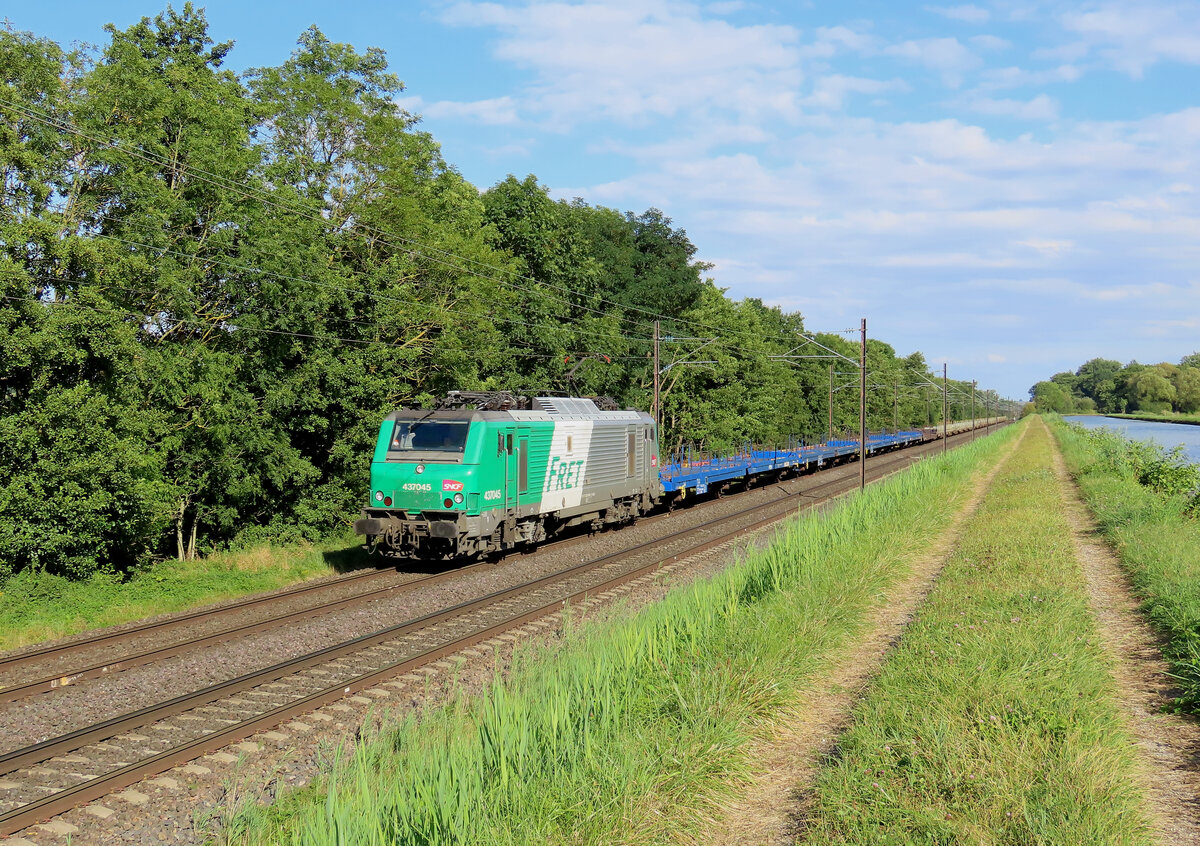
(213, 286)
(1109, 387)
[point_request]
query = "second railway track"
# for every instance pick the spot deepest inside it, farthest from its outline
(105, 653)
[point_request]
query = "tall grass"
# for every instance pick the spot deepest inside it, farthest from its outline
(639, 728)
(994, 720)
(1145, 502)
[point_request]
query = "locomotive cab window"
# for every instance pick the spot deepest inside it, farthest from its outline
(429, 436)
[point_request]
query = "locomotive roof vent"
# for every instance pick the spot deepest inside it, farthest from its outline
(565, 406)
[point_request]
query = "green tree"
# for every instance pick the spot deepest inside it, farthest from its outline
(1187, 389)
(378, 256)
(77, 485)
(1151, 390)
(1051, 396)
(1068, 380)
(1097, 379)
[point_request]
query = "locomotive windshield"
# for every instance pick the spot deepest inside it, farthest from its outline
(429, 436)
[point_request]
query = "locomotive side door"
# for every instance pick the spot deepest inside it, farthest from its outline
(510, 469)
(522, 461)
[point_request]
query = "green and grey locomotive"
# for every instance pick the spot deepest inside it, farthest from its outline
(485, 472)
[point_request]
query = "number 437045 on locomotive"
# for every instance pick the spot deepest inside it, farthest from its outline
(485, 472)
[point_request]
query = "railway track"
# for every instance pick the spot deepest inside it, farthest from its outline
(50, 777)
(45, 669)
(63, 676)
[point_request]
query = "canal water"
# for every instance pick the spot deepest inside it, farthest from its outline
(1165, 434)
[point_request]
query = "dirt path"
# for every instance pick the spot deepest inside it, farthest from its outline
(1168, 745)
(788, 763)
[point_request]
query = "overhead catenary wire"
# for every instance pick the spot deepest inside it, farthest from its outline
(426, 251)
(251, 192)
(232, 329)
(106, 286)
(384, 297)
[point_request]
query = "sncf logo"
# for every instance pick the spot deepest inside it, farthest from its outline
(451, 485)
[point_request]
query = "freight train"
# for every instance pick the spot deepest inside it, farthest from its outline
(486, 472)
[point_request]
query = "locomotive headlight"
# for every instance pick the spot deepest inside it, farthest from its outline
(458, 498)
(420, 468)
(379, 496)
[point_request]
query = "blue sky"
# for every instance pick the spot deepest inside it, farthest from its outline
(1007, 186)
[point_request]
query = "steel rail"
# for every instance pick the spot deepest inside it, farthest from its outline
(64, 678)
(185, 702)
(48, 683)
(62, 800)
(21, 690)
(135, 772)
(54, 651)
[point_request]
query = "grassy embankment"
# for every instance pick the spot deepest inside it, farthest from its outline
(1145, 502)
(639, 728)
(993, 721)
(35, 606)
(1172, 417)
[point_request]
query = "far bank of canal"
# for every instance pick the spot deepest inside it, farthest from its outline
(1165, 434)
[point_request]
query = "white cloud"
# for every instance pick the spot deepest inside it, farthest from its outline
(1040, 107)
(1050, 248)
(632, 62)
(1132, 37)
(967, 14)
(947, 56)
(831, 40)
(829, 92)
(993, 79)
(1070, 52)
(494, 112)
(990, 42)
(1066, 228)
(900, 212)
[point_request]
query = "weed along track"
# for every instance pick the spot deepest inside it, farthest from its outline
(62, 772)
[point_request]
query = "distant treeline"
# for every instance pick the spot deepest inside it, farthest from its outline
(1110, 387)
(213, 286)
